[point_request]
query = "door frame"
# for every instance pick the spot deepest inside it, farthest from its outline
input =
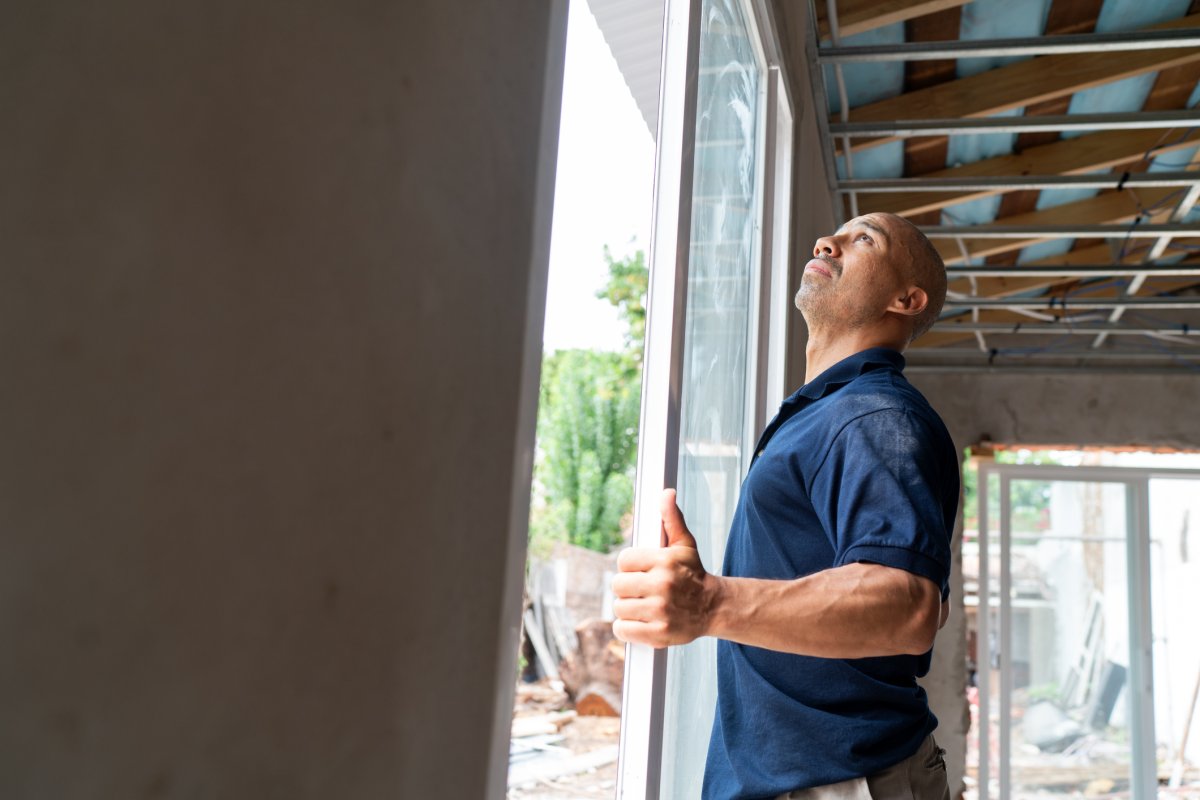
(644, 691)
(1136, 481)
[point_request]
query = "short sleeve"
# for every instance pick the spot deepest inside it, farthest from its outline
(879, 493)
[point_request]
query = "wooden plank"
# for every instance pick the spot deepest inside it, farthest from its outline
(1103, 209)
(540, 648)
(856, 16)
(923, 153)
(1007, 286)
(1171, 90)
(1072, 16)
(1093, 151)
(1024, 83)
(1066, 17)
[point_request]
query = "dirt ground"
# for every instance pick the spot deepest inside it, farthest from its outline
(584, 734)
(580, 735)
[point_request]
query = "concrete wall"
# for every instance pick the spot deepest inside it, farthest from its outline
(265, 289)
(1072, 410)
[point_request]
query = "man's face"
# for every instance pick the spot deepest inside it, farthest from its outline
(854, 272)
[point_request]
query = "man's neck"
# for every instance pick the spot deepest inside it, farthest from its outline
(823, 351)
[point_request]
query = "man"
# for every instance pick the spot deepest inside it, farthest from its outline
(838, 560)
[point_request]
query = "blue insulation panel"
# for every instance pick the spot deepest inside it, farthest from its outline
(990, 19)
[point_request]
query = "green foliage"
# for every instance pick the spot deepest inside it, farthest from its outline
(587, 428)
(587, 432)
(1030, 499)
(626, 289)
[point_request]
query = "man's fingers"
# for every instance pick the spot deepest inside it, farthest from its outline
(634, 584)
(673, 523)
(638, 559)
(639, 609)
(640, 632)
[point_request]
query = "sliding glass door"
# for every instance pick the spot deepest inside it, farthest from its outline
(709, 335)
(1068, 631)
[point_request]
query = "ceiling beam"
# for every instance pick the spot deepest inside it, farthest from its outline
(1015, 283)
(1088, 153)
(1104, 209)
(1017, 46)
(1010, 183)
(1073, 230)
(1081, 272)
(947, 333)
(1080, 329)
(856, 16)
(958, 361)
(1037, 123)
(1023, 83)
(1049, 302)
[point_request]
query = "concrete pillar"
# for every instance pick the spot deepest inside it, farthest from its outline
(265, 294)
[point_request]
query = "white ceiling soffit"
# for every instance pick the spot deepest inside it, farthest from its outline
(633, 30)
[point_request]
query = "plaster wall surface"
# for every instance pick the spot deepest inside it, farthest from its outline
(264, 277)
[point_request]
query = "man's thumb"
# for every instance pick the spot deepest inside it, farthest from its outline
(674, 525)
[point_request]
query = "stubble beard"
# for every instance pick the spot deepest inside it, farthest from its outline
(819, 304)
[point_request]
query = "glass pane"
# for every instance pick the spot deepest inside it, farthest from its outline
(1069, 645)
(723, 256)
(1175, 596)
(982, 648)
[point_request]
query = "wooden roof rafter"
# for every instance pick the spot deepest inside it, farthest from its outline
(1041, 85)
(1022, 83)
(859, 16)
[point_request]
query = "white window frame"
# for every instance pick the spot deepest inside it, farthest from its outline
(1141, 667)
(640, 759)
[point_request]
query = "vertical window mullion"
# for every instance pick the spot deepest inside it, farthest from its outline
(666, 307)
(1141, 639)
(760, 286)
(718, 394)
(778, 301)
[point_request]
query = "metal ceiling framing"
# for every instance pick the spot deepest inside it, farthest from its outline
(1130, 301)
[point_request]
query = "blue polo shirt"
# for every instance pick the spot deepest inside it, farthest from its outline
(856, 466)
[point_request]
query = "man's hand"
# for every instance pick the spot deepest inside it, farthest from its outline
(663, 594)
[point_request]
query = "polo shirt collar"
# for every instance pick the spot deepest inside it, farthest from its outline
(847, 370)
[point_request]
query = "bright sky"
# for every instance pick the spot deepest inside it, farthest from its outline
(603, 193)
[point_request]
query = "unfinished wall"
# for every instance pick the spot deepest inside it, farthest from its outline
(265, 274)
(1073, 410)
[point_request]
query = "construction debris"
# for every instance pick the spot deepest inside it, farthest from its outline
(566, 724)
(594, 673)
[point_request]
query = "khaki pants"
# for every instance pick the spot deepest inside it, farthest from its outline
(921, 776)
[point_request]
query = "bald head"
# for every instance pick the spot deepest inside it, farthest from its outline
(925, 269)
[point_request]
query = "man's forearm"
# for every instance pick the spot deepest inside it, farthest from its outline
(854, 611)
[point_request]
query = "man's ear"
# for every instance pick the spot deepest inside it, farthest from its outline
(911, 303)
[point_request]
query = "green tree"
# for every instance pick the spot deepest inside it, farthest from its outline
(1030, 498)
(588, 424)
(626, 289)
